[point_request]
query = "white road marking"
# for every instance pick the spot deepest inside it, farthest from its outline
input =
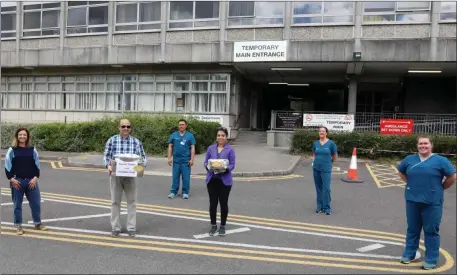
(78, 217)
(231, 231)
(370, 247)
(11, 203)
(241, 224)
(223, 243)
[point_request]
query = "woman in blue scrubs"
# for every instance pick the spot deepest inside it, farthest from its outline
(324, 153)
(424, 195)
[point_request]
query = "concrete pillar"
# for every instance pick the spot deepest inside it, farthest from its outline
(112, 58)
(223, 10)
(63, 19)
(435, 29)
(352, 98)
(163, 29)
(287, 20)
(358, 11)
(19, 15)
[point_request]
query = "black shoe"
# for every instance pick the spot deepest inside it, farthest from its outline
(213, 230)
(328, 213)
(115, 233)
(318, 211)
(221, 231)
(131, 233)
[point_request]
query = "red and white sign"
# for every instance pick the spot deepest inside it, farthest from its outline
(396, 126)
(333, 122)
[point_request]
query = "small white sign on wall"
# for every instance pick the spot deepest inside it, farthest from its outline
(260, 51)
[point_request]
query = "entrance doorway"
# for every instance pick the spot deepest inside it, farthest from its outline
(322, 97)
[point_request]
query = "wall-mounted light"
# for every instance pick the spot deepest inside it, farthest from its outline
(277, 83)
(286, 69)
(418, 71)
(292, 84)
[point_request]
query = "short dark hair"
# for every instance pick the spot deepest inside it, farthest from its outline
(223, 129)
(182, 120)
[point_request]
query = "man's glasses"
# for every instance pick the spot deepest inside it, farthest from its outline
(126, 126)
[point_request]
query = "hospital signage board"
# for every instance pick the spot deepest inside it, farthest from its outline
(396, 126)
(260, 51)
(333, 122)
(210, 118)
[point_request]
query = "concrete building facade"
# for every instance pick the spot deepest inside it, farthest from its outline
(79, 60)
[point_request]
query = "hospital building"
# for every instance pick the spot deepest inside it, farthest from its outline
(260, 67)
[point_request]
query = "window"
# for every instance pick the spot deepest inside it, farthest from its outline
(447, 14)
(200, 93)
(323, 12)
(8, 17)
(243, 13)
(193, 14)
(131, 16)
(401, 12)
(87, 17)
(41, 19)
(196, 93)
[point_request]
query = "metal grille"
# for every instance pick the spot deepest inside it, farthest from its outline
(438, 124)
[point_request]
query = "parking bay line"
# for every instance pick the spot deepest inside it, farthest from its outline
(263, 227)
(78, 217)
(370, 247)
(240, 224)
(228, 256)
(11, 203)
(243, 245)
(231, 231)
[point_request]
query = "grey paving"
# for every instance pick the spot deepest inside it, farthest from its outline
(251, 161)
(361, 206)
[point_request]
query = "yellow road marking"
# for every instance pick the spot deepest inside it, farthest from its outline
(223, 255)
(58, 165)
(448, 264)
(200, 213)
(209, 247)
(373, 176)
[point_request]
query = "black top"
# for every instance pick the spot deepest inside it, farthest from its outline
(22, 162)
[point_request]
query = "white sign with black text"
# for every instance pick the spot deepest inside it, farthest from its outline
(210, 118)
(260, 51)
(126, 168)
(333, 122)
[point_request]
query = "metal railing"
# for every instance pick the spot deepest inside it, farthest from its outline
(438, 124)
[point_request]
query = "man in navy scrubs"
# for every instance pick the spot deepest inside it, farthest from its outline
(182, 146)
(424, 194)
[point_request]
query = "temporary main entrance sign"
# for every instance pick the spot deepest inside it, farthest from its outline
(259, 51)
(332, 121)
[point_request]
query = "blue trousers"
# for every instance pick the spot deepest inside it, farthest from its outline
(34, 198)
(322, 181)
(181, 170)
(426, 216)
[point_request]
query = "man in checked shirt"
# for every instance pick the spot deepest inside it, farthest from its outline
(123, 144)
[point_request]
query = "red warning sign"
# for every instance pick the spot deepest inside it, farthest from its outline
(396, 126)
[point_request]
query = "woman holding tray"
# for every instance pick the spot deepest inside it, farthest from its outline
(219, 163)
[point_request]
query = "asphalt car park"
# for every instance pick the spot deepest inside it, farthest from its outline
(271, 228)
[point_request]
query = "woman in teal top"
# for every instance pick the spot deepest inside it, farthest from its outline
(424, 195)
(324, 153)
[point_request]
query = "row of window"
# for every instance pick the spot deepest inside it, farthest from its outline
(197, 93)
(92, 16)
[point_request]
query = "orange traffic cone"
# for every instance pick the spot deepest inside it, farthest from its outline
(352, 175)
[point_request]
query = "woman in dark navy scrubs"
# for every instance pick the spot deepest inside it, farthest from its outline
(324, 153)
(424, 195)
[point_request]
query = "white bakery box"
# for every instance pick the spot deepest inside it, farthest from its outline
(127, 165)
